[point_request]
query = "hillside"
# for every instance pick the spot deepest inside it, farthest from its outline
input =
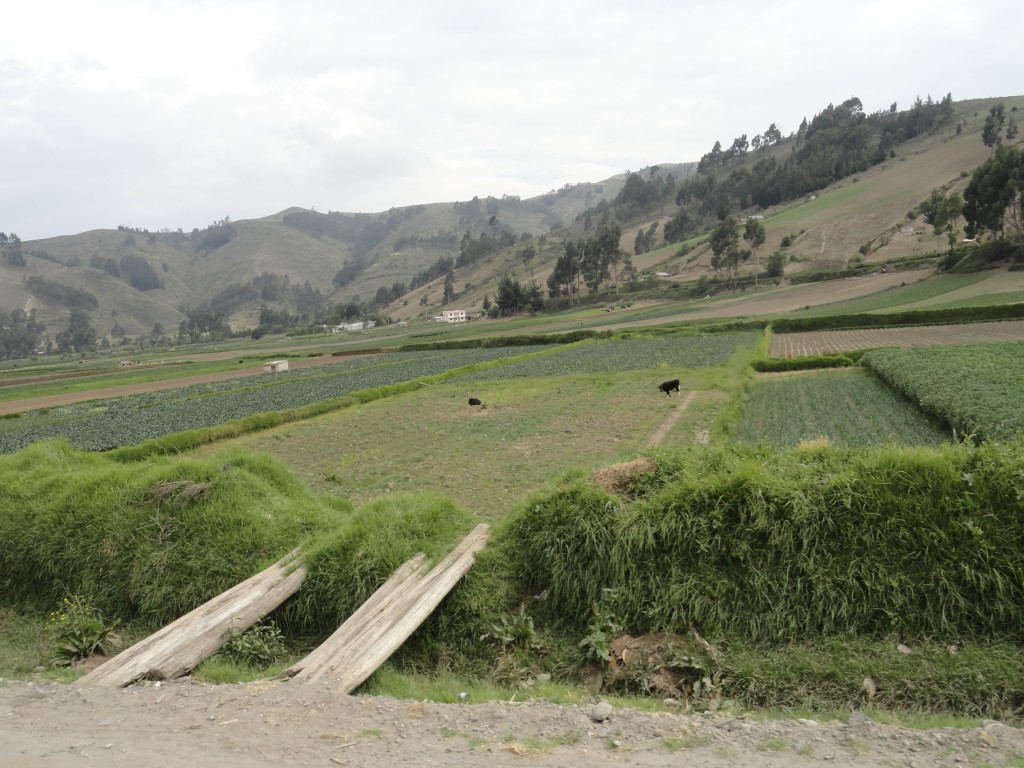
(308, 263)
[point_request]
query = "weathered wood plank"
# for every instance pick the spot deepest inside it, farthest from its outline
(367, 647)
(215, 619)
(366, 614)
(434, 588)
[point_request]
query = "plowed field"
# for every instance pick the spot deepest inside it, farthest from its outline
(832, 342)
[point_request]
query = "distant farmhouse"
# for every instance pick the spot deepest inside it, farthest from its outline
(452, 316)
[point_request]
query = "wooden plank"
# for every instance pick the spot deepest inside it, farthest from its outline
(365, 650)
(435, 587)
(210, 625)
(215, 633)
(367, 613)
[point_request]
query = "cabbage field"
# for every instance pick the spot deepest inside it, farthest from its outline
(106, 424)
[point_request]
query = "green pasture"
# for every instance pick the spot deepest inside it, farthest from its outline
(487, 459)
(846, 407)
(899, 297)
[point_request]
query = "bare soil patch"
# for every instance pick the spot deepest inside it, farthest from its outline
(186, 723)
(832, 342)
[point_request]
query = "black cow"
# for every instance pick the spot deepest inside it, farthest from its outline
(668, 386)
(474, 401)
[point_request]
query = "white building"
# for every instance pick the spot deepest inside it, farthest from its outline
(275, 366)
(453, 315)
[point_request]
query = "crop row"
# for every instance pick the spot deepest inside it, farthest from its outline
(846, 408)
(977, 389)
(101, 425)
(623, 354)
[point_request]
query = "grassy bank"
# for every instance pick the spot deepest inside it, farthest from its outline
(741, 574)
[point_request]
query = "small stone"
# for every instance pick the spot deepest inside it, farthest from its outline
(903, 648)
(601, 711)
(859, 718)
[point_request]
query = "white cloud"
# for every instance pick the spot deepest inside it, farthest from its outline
(160, 113)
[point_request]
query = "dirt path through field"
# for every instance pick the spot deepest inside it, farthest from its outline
(663, 429)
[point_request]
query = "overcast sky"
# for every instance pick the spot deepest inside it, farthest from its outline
(166, 114)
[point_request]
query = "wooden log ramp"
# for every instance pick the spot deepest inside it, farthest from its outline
(385, 621)
(182, 644)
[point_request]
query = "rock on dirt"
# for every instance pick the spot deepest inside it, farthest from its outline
(284, 724)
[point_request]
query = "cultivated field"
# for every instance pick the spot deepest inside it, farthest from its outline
(832, 342)
(977, 389)
(835, 407)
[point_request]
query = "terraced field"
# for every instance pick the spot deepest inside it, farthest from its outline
(832, 342)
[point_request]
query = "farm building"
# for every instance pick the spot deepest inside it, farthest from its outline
(275, 366)
(453, 315)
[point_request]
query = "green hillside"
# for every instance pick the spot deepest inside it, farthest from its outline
(303, 263)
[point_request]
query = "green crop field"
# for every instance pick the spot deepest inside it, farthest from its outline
(669, 353)
(899, 296)
(977, 389)
(101, 425)
(844, 408)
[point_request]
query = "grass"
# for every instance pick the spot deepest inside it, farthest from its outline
(371, 484)
(487, 460)
(899, 297)
(844, 408)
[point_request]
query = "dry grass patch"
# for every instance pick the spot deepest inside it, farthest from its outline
(617, 478)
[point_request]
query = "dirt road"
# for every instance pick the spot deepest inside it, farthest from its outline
(184, 724)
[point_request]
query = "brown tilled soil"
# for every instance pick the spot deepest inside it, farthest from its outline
(832, 342)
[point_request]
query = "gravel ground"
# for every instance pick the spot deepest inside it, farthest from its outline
(187, 723)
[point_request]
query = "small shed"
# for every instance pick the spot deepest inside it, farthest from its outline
(275, 366)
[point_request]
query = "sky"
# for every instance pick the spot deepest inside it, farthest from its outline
(168, 114)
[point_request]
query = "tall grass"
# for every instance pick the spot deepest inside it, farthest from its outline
(774, 546)
(148, 541)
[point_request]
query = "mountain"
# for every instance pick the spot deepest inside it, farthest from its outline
(302, 261)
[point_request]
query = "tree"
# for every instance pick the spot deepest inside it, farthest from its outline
(449, 287)
(79, 336)
(946, 218)
(994, 197)
(776, 264)
(562, 280)
(527, 254)
(773, 135)
(753, 233)
(724, 243)
(992, 130)
(511, 296)
(20, 334)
